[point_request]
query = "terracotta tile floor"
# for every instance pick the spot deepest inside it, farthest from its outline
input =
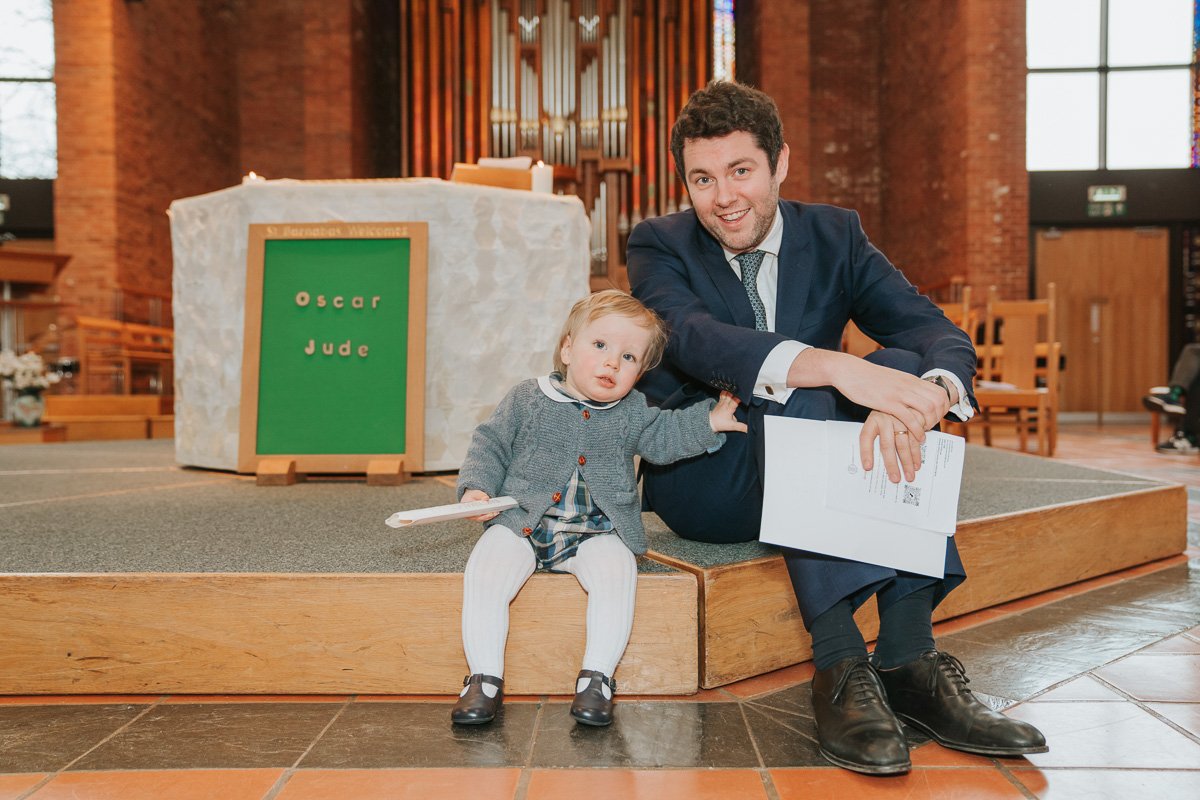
(1109, 669)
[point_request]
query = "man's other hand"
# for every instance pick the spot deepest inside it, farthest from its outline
(899, 446)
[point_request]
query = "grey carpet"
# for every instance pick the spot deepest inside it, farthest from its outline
(126, 506)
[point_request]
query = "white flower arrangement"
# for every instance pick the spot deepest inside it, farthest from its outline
(26, 372)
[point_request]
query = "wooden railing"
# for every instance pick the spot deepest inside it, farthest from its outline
(113, 352)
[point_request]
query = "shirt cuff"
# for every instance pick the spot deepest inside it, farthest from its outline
(962, 409)
(772, 375)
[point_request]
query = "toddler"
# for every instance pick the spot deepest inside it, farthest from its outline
(563, 445)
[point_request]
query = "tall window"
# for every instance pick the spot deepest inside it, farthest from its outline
(723, 40)
(1112, 84)
(28, 140)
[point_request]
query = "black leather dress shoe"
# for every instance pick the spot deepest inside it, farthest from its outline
(591, 707)
(931, 694)
(475, 707)
(855, 728)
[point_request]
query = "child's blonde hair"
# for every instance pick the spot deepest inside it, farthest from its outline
(612, 301)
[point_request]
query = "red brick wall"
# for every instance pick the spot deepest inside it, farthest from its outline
(271, 102)
(302, 81)
(176, 126)
(913, 113)
(923, 120)
(997, 182)
(159, 101)
(335, 124)
(844, 154)
(85, 193)
(781, 68)
(820, 60)
(956, 189)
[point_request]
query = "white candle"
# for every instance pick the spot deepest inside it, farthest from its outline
(543, 178)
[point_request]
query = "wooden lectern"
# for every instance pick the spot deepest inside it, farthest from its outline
(22, 273)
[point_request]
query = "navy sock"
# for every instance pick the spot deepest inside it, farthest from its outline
(836, 636)
(905, 629)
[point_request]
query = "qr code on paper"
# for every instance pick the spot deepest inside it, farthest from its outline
(912, 495)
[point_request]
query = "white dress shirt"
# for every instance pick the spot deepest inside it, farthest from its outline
(772, 375)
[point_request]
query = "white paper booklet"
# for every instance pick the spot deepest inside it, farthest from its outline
(795, 512)
(421, 516)
(930, 501)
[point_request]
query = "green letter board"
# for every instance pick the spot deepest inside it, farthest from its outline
(333, 371)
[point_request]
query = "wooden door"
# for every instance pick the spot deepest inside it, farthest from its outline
(1112, 312)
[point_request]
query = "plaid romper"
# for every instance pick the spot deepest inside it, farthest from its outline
(574, 516)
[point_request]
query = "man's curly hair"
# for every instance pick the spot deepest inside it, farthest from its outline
(722, 108)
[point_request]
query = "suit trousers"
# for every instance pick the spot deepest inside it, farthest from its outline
(717, 498)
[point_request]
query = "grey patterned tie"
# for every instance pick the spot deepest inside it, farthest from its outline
(750, 263)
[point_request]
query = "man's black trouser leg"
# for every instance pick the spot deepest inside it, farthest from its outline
(1190, 424)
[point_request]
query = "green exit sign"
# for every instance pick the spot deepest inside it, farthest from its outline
(1106, 194)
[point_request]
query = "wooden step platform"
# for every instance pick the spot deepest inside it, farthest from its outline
(40, 434)
(94, 417)
(121, 572)
(229, 633)
(1027, 525)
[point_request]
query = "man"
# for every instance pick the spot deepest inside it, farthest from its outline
(757, 293)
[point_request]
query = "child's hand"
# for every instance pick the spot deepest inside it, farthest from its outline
(721, 417)
(473, 495)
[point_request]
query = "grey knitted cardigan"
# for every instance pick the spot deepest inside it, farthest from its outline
(531, 446)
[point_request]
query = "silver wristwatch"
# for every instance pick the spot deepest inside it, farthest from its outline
(941, 381)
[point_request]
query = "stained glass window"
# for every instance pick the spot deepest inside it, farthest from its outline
(28, 117)
(723, 40)
(1112, 85)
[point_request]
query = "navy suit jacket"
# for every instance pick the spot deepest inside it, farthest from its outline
(829, 273)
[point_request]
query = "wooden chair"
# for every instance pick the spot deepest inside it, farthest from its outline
(1018, 373)
(148, 349)
(946, 291)
(857, 343)
(1156, 428)
(960, 312)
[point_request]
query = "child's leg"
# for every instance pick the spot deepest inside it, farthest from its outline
(607, 571)
(498, 567)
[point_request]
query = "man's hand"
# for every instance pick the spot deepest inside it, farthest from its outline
(916, 404)
(721, 417)
(473, 495)
(900, 448)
